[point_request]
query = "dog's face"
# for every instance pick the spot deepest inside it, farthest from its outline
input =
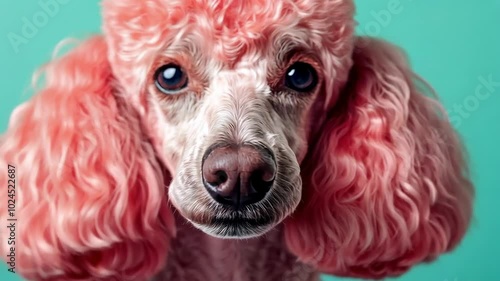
(235, 88)
(234, 136)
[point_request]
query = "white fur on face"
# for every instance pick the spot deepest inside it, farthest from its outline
(237, 107)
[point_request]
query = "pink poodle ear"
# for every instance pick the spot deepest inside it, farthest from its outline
(386, 184)
(89, 194)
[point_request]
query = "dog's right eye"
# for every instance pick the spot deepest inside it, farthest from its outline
(301, 77)
(170, 79)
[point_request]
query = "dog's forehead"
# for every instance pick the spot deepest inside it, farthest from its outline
(138, 30)
(228, 29)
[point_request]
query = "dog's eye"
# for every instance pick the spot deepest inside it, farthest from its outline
(170, 79)
(301, 77)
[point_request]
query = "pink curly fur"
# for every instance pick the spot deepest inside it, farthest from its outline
(376, 179)
(394, 187)
(92, 194)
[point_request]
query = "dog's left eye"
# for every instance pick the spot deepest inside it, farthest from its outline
(170, 79)
(301, 77)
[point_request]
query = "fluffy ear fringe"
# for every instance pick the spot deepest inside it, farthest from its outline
(90, 198)
(386, 185)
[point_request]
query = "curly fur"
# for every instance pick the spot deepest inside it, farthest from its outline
(90, 193)
(386, 181)
(371, 178)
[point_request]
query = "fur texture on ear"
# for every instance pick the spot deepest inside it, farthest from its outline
(386, 184)
(90, 198)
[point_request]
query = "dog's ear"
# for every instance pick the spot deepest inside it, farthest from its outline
(386, 184)
(83, 181)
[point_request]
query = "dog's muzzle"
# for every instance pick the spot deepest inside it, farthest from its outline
(237, 176)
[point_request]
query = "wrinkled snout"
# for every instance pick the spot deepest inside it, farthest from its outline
(238, 175)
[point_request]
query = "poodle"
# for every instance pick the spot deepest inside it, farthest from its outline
(231, 140)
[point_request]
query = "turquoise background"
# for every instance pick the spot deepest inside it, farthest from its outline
(451, 43)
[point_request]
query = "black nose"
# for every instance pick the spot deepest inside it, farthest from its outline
(238, 176)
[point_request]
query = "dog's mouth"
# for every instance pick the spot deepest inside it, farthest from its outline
(236, 225)
(240, 221)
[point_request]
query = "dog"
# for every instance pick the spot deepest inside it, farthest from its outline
(231, 140)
